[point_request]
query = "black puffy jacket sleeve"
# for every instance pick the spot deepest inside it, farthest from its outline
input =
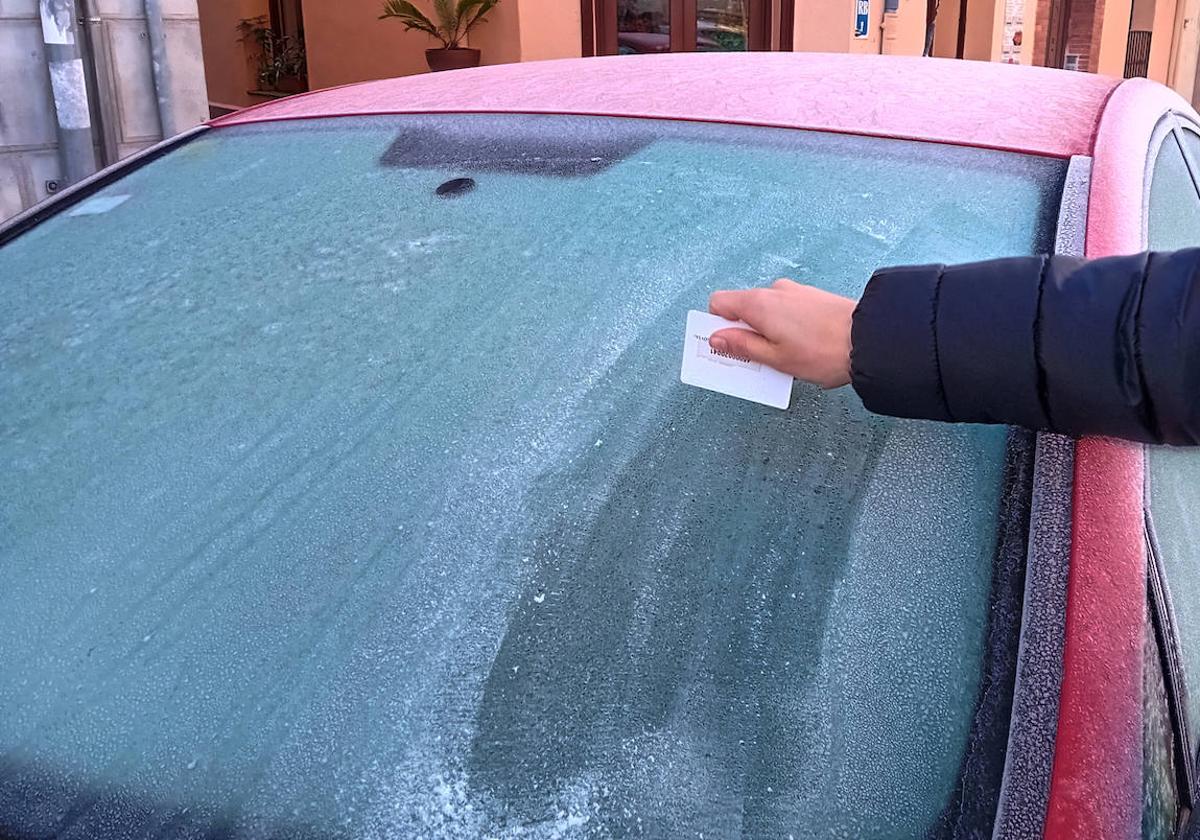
(1102, 347)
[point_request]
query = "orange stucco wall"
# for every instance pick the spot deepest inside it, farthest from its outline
(499, 37)
(828, 26)
(984, 34)
(1114, 35)
(1162, 25)
(825, 25)
(945, 32)
(347, 42)
(549, 29)
(869, 44)
(904, 31)
(1028, 20)
(985, 30)
(1182, 66)
(228, 66)
(1143, 14)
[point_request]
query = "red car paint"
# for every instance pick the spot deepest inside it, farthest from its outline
(1098, 759)
(1096, 781)
(1024, 109)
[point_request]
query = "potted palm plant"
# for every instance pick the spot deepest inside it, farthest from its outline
(454, 19)
(282, 64)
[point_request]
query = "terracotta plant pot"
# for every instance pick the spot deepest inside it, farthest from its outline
(455, 59)
(291, 84)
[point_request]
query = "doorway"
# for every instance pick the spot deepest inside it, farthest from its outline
(627, 27)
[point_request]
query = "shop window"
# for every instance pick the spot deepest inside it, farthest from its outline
(627, 27)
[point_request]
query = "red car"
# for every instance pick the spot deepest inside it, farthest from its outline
(349, 490)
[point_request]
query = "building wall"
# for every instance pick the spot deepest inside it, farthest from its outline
(228, 63)
(825, 25)
(945, 31)
(28, 142)
(1098, 31)
(828, 26)
(985, 30)
(904, 30)
(499, 37)
(1037, 30)
(347, 42)
(1162, 25)
(1112, 35)
(1183, 64)
(1143, 14)
(1028, 19)
(1082, 29)
(121, 110)
(549, 28)
(869, 44)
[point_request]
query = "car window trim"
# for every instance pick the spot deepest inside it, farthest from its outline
(1162, 613)
(1164, 130)
(1158, 590)
(1033, 722)
(72, 195)
(1186, 126)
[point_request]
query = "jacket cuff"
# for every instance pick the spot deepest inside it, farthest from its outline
(956, 343)
(894, 353)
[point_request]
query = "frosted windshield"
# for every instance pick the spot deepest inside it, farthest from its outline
(332, 506)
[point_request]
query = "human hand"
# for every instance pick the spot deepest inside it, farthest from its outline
(800, 330)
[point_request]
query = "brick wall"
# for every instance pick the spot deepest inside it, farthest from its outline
(1083, 30)
(1084, 21)
(1041, 25)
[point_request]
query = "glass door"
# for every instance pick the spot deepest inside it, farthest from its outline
(724, 25)
(628, 27)
(644, 26)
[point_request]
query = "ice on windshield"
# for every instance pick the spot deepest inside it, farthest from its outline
(336, 507)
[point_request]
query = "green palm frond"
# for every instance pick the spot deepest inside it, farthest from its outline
(471, 12)
(444, 10)
(454, 20)
(411, 17)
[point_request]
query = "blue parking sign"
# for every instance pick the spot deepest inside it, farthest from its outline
(862, 17)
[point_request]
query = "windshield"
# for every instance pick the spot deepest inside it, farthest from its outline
(335, 506)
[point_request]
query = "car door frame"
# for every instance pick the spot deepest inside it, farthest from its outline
(1172, 125)
(1097, 777)
(1033, 721)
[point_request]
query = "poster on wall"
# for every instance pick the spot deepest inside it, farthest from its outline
(862, 17)
(1014, 22)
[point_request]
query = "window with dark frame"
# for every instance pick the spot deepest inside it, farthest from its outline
(1163, 640)
(287, 18)
(622, 27)
(1172, 490)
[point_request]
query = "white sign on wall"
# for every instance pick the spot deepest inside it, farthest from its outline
(1014, 22)
(862, 18)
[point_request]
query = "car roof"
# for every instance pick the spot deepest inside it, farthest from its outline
(972, 103)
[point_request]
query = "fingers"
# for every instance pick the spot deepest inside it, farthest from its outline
(743, 344)
(757, 307)
(743, 305)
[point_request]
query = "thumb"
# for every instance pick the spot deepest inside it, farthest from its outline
(744, 344)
